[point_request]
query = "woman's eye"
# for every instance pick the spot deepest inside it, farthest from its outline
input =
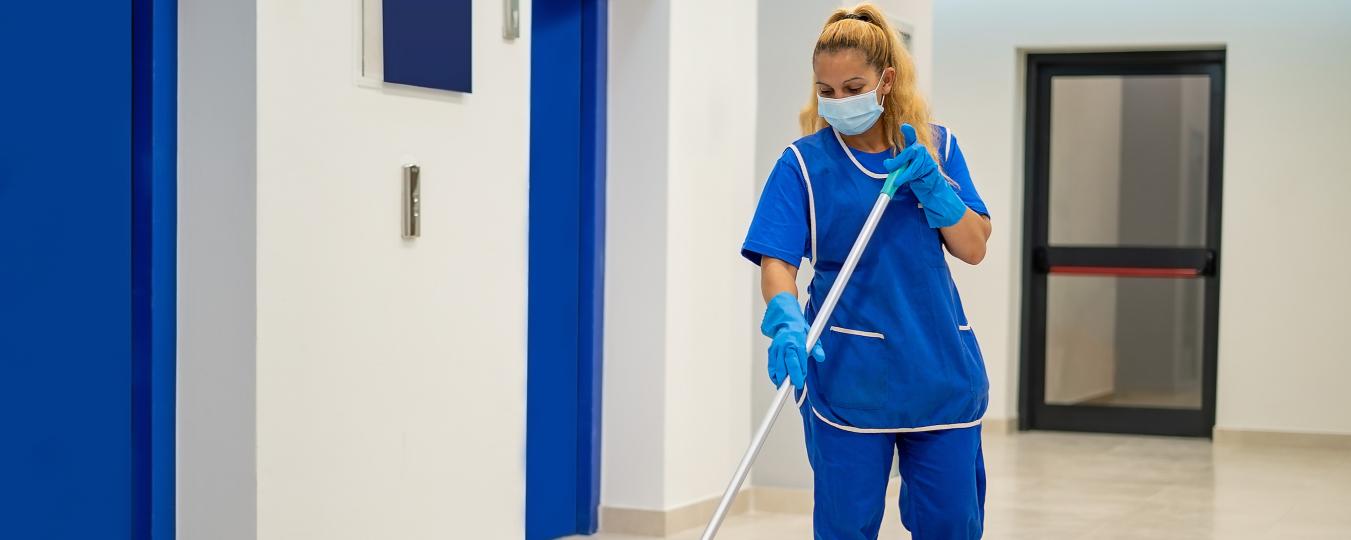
(855, 90)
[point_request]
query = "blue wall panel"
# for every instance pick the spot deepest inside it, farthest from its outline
(154, 264)
(595, 48)
(428, 43)
(65, 270)
(87, 269)
(567, 254)
(553, 401)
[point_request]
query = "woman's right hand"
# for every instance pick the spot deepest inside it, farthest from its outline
(785, 324)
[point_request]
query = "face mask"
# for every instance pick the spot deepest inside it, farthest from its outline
(851, 115)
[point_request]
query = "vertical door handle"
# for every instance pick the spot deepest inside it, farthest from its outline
(412, 201)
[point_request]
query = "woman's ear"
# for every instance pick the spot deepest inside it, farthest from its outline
(888, 78)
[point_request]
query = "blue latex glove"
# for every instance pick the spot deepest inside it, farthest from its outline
(785, 324)
(942, 206)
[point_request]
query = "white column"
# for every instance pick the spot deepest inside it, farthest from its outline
(682, 123)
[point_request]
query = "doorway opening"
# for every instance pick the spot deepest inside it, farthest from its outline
(1121, 243)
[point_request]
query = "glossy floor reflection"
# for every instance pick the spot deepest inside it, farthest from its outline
(1050, 486)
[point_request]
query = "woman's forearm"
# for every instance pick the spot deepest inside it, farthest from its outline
(967, 239)
(777, 276)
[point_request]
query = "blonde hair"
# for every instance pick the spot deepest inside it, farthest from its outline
(865, 29)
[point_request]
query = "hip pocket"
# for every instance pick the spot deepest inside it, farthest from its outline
(853, 376)
(975, 361)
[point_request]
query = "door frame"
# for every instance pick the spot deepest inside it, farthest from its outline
(154, 325)
(566, 266)
(1038, 257)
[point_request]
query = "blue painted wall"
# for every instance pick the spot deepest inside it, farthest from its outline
(65, 270)
(154, 263)
(86, 270)
(594, 51)
(567, 254)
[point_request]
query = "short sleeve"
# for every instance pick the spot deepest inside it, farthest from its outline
(954, 165)
(780, 228)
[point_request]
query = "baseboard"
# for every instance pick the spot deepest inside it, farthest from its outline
(642, 522)
(1331, 441)
(656, 523)
(999, 426)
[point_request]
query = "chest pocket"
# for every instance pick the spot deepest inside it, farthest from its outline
(905, 231)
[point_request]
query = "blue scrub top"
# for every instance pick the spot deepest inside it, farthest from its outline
(900, 354)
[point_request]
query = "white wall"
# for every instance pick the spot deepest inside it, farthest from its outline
(1282, 351)
(712, 152)
(391, 373)
(681, 132)
(918, 14)
(633, 435)
(217, 131)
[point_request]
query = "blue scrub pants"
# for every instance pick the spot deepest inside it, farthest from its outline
(942, 489)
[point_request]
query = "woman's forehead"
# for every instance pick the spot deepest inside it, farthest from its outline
(840, 66)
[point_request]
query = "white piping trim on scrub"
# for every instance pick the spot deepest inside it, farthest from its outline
(806, 302)
(811, 198)
(938, 427)
(850, 153)
(947, 155)
(883, 176)
(965, 327)
(947, 145)
(859, 333)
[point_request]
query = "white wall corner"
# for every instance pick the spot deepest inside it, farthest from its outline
(682, 131)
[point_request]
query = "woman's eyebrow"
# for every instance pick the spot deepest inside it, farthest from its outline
(845, 82)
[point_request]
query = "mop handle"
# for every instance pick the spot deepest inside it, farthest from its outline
(818, 325)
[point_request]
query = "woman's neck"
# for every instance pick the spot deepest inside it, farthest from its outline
(871, 141)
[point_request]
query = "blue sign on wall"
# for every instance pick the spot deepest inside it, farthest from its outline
(428, 43)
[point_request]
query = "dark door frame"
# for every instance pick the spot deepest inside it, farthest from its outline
(566, 266)
(1039, 257)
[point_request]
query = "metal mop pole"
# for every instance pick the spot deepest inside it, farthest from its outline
(818, 325)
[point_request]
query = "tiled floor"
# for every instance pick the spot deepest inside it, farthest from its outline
(1049, 486)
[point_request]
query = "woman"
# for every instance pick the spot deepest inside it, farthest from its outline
(899, 369)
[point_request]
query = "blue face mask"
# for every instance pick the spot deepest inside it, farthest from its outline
(851, 115)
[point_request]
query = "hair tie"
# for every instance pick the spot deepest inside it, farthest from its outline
(857, 17)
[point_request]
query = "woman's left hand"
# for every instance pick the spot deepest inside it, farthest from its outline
(942, 206)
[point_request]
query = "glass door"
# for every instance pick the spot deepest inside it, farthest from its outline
(1121, 275)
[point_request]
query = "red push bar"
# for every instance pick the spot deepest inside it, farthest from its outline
(1126, 271)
